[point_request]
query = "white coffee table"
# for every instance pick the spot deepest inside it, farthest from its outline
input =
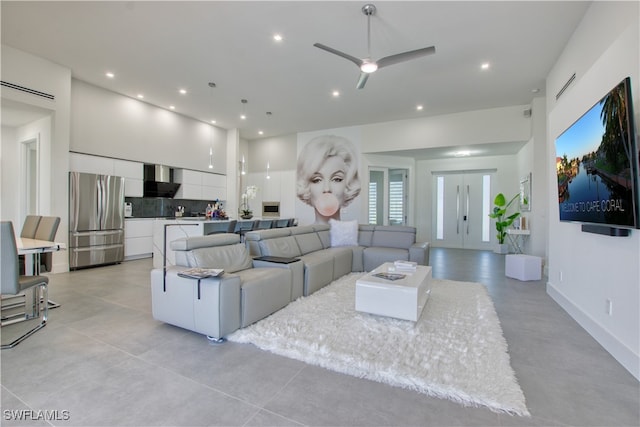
(402, 299)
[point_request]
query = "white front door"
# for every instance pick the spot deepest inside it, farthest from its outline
(461, 210)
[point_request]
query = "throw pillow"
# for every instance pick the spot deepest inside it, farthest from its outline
(344, 233)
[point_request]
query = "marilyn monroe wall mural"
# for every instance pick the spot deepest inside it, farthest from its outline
(327, 180)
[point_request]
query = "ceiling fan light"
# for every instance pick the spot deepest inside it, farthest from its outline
(368, 67)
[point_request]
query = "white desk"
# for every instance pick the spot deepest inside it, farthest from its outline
(517, 238)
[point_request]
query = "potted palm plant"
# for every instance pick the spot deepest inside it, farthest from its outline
(503, 219)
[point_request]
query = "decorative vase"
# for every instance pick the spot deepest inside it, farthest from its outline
(502, 248)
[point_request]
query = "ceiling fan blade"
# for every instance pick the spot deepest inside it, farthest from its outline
(405, 56)
(362, 80)
(353, 59)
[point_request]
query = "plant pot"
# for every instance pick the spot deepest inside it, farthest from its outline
(248, 216)
(502, 248)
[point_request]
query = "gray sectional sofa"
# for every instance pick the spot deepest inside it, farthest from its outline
(252, 288)
(217, 306)
(324, 263)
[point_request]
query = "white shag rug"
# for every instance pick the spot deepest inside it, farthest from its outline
(455, 351)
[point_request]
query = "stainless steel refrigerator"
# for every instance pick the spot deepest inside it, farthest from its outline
(96, 219)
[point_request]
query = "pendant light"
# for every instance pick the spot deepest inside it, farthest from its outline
(210, 157)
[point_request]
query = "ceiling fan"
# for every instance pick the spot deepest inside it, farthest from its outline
(367, 65)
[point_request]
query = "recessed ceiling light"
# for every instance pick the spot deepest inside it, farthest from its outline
(485, 65)
(140, 96)
(335, 93)
(183, 91)
(243, 117)
(535, 90)
(277, 37)
(260, 132)
(462, 153)
(213, 122)
(172, 107)
(109, 74)
(419, 107)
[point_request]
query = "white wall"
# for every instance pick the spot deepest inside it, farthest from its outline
(9, 152)
(29, 71)
(107, 124)
(506, 124)
(496, 125)
(587, 269)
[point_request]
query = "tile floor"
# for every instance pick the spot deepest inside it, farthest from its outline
(103, 361)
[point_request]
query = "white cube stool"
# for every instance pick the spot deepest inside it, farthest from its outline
(523, 267)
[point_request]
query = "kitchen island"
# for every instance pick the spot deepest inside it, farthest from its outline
(178, 228)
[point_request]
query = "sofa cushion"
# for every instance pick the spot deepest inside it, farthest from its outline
(308, 242)
(323, 232)
(344, 233)
(195, 242)
(231, 258)
(394, 236)
(375, 256)
(342, 260)
(365, 234)
(280, 246)
(318, 271)
(264, 291)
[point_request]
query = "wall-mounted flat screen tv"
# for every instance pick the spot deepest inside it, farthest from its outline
(597, 164)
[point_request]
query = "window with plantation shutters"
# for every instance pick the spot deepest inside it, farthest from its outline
(388, 196)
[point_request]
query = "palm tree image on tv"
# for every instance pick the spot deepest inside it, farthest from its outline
(594, 164)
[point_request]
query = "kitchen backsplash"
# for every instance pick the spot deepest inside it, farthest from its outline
(158, 207)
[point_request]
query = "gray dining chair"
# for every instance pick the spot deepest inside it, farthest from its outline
(12, 284)
(243, 227)
(281, 223)
(230, 228)
(264, 224)
(30, 226)
(47, 229)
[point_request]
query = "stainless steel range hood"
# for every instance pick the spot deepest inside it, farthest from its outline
(158, 181)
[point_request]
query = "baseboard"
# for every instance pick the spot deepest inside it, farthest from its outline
(623, 354)
(61, 267)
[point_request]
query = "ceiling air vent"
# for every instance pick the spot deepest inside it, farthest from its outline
(566, 85)
(27, 90)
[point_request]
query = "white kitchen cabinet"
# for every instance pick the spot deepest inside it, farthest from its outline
(90, 164)
(198, 185)
(133, 172)
(128, 169)
(213, 180)
(189, 191)
(133, 187)
(138, 238)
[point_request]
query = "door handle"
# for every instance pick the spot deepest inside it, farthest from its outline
(467, 215)
(458, 209)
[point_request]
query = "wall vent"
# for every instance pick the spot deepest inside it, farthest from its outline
(27, 90)
(566, 85)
